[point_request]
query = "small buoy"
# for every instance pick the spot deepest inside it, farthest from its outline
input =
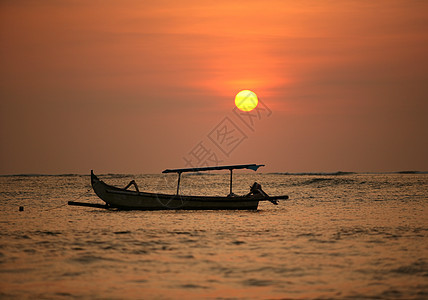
(21, 208)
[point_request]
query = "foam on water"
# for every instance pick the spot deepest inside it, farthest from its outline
(339, 236)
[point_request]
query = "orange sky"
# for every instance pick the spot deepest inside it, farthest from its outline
(134, 86)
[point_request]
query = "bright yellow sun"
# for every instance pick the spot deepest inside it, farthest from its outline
(246, 100)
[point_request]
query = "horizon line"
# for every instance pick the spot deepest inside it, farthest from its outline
(274, 173)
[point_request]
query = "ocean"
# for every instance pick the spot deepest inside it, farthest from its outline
(339, 236)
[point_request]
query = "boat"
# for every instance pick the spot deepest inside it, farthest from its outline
(126, 199)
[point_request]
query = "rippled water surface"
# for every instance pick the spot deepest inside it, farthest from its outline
(339, 236)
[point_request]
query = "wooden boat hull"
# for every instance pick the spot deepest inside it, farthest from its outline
(126, 199)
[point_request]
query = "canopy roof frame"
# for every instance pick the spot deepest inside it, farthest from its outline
(253, 167)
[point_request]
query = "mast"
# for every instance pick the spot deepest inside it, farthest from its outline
(178, 184)
(231, 171)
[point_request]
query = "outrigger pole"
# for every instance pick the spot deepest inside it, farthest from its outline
(253, 167)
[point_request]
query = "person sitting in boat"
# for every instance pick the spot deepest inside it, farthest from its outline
(256, 189)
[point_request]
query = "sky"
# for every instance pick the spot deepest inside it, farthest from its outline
(142, 86)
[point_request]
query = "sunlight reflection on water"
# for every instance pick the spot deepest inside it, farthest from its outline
(360, 236)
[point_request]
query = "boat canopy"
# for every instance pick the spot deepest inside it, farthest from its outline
(253, 167)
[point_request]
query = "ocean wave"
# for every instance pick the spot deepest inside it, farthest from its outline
(327, 181)
(41, 175)
(419, 267)
(338, 173)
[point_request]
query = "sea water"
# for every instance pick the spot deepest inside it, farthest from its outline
(340, 236)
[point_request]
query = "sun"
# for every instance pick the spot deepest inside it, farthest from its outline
(246, 100)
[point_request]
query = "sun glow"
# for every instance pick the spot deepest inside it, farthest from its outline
(246, 100)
